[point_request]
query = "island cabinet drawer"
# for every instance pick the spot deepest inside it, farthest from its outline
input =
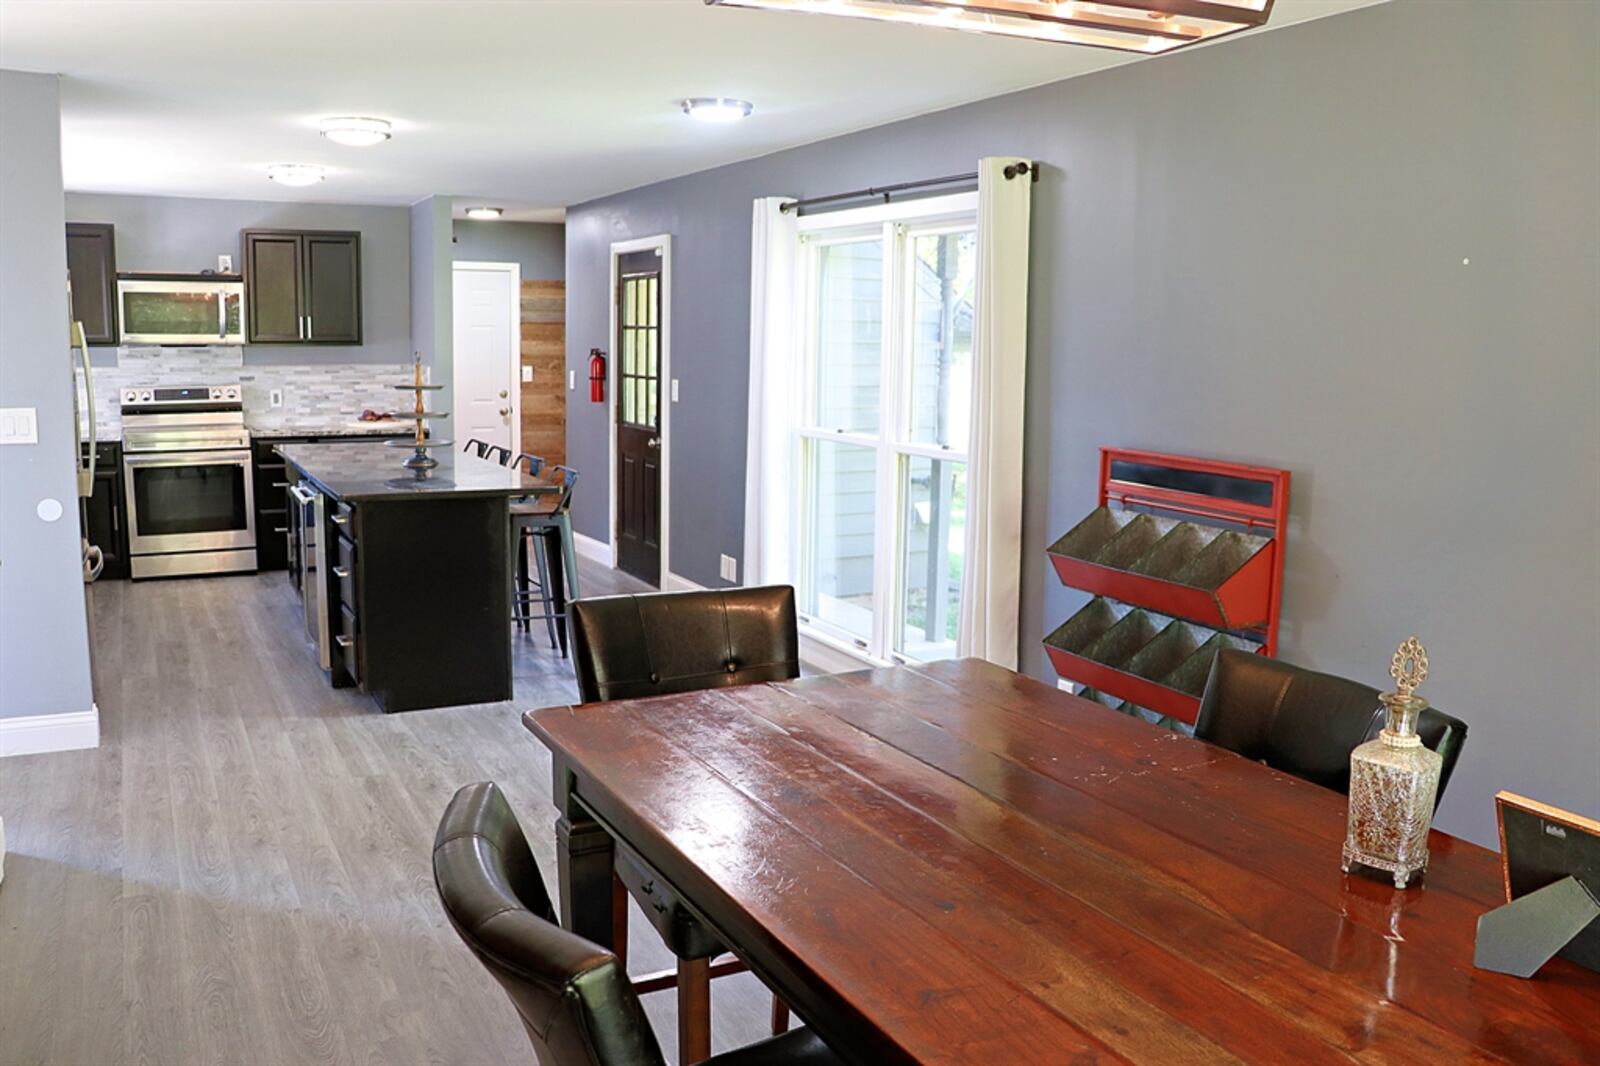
(345, 571)
(349, 643)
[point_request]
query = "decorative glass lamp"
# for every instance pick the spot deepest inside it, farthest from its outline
(1394, 780)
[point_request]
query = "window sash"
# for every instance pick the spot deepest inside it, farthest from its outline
(897, 226)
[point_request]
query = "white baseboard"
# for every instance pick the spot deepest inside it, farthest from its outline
(671, 582)
(35, 734)
(594, 550)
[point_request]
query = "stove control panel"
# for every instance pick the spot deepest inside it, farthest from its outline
(181, 395)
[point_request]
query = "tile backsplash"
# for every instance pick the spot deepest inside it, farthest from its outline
(316, 396)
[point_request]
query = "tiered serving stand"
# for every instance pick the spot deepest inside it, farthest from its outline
(419, 459)
(1183, 556)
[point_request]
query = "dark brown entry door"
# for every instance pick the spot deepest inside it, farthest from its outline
(638, 363)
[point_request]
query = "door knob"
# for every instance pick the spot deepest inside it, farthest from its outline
(504, 411)
(653, 442)
(504, 394)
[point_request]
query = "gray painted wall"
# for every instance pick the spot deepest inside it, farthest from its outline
(540, 247)
(44, 645)
(1255, 251)
(187, 234)
(432, 329)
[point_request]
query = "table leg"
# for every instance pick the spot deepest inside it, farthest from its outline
(584, 860)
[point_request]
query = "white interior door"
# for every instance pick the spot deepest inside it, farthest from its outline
(486, 354)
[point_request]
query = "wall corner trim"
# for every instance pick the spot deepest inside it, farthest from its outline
(35, 734)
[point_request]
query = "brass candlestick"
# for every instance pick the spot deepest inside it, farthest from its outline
(1394, 780)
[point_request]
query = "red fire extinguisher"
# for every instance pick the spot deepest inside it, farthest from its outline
(597, 376)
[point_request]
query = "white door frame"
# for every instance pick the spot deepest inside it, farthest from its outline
(663, 243)
(515, 270)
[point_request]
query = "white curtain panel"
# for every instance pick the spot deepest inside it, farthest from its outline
(991, 586)
(774, 386)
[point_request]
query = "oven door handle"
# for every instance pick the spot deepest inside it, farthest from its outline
(239, 458)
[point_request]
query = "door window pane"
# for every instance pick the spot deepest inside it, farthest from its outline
(849, 330)
(841, 498)
(944, 271)
(933, 535)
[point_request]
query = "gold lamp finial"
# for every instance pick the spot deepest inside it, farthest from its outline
(1409, 667)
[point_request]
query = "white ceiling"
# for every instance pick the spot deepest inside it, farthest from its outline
(531, 105)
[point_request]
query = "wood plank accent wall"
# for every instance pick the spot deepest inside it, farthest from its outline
(544, 347)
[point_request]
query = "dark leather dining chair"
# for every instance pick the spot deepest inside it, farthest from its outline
(628, 647)
(572, 995)
(1305, 723)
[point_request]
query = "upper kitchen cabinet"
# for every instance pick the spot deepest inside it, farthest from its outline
(302, 286)
(92, 265)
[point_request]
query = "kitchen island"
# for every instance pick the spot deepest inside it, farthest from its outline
(405, 576)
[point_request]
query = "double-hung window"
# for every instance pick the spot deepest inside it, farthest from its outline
(886, 307)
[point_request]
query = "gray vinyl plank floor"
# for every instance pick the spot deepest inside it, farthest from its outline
(240, 872)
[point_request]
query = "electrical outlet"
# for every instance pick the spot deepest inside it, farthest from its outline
(572, 380)
(1064, 685)
(224, 264)
(730, 569)
(274, 397)
(527, 374)
(674, 390)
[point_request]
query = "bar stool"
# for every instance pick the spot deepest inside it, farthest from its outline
(545, 522)
(493, 453)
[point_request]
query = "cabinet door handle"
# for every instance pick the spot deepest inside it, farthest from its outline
(341, 571)
(116, 520)
(280, 529)
(342, 640)
(311, 331)
(280, 484)
(341, 519)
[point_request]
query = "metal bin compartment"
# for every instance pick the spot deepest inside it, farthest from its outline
(1086, 538)
(1225, 556)
(1173, 552)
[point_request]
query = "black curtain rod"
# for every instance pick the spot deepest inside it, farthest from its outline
(884, 192)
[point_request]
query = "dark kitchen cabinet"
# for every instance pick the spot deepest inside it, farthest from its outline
(92, 265)
(106, 516)
(302, 286)
(272, 480)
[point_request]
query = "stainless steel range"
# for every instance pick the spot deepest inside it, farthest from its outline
(191, 500)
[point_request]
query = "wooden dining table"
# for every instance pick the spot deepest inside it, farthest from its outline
(954, 863)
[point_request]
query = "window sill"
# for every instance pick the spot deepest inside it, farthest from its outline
(831, 655)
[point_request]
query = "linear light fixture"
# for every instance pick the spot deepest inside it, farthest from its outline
(1147, 26)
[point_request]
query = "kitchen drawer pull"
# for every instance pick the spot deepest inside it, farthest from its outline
(341, 571)
(280, 529)
(342, 640)
(280, 484)
(341, 519)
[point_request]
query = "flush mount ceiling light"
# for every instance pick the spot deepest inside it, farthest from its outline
(717, 108)
(485, 214)
(356, 132)
(1148, 26)
(296, 174)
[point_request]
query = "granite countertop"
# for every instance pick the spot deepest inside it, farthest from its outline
(349, 428)
(355, 472)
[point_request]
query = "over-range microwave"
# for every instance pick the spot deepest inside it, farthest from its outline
(187, 309)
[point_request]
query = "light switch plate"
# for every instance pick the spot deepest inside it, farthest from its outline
(527, 374)
(19, 425)
(674, 390)
(730, 569)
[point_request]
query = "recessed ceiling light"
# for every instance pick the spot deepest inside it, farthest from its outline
(485, 214)
(356, 131)
(296, 173)
(717, 108)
